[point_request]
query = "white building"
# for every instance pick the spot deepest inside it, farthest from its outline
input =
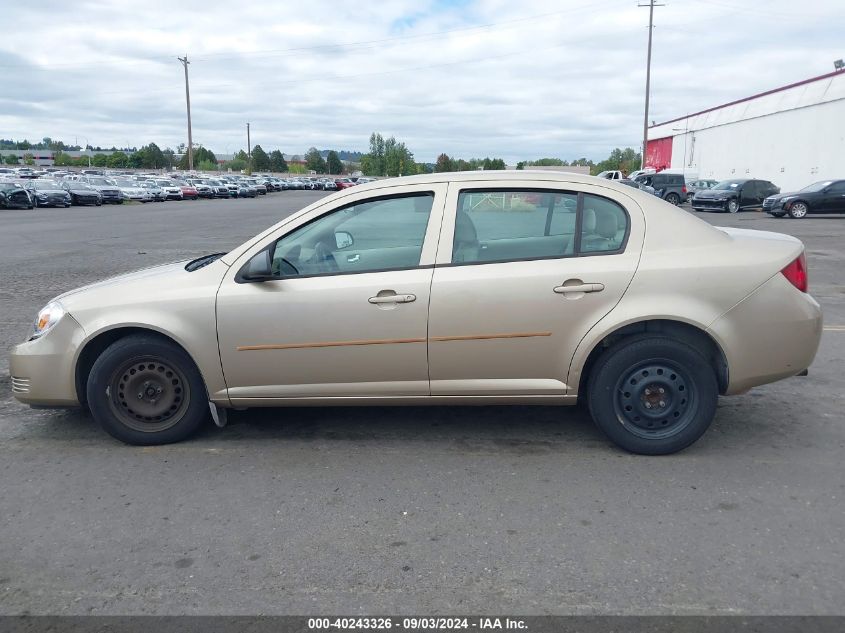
(792, 136)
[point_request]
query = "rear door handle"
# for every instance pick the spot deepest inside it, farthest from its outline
(394, 298)
(562, 290)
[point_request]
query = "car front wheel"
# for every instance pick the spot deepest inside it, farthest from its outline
(145, 390)
(798, 210)
(652, 395)
(732, 206)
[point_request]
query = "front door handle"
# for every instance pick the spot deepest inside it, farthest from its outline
(392, 298)
(562, 290)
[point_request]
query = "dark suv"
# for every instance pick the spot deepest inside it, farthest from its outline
(671, 187)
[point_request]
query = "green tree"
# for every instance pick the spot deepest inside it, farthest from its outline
(12, 159)
(333, 163)
(24, 144)
(520, 165)
(117, 160)
(260, 160)
(100, 160)
(625, 160)
(444, 163)
(277, 162)
(296, 168)
(60, 159)
(236, 164)
(373, 163)
(28, 159)
(206, 165)
(201, 154)
(314, 161)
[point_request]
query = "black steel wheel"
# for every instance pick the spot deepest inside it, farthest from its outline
(653, 395)
(143, 389)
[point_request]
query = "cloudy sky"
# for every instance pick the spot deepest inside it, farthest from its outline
(519, 80)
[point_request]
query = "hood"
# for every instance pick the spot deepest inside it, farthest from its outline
(788, 194)
(47, 191)
(711, 194)
(160, 271)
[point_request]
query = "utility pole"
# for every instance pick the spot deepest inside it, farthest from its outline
(651, 4)
(248, 152)
(185, 63)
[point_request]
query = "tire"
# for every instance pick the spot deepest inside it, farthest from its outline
(637, 421)
(673, 198)
(732, 206)
(698, 209)
(798, 210)
(173, 402)
(777, 215)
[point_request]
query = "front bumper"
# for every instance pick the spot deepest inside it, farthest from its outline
(43, 370)
(53, 200)
(773, 205)
(708, 203)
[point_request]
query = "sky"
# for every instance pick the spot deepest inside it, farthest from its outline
(472, 78)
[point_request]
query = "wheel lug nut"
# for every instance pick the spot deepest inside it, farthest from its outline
(662, 390)
(662, 404)
(648, 392)
(140, 396)
(648, 405)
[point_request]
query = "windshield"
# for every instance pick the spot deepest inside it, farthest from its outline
(80, 185)
(45, 184)
(727, 185)
(818, 186)
(124, 182)
(102, 182)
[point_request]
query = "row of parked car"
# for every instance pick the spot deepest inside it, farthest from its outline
(29, 189)
(738, 194)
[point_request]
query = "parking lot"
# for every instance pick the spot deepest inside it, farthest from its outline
(408, 510)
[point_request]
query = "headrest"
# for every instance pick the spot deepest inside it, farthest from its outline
(465, 232)
(606, 223)
(589, 224)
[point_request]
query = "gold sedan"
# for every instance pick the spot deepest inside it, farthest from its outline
(455, 289)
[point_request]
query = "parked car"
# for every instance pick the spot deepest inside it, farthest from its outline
(700, 184)
(244, 190)
(204, 190)
(13, 196)
(219, 187)
(734, 195)
(170, 187)
(255, 184)
(111, 193)
(825, 196)
(48, 193)
(671, 187)
(81, 192)
(343, 183)
(636, 185)
(158, 194)
(329, 185)
(132, 190)
(613, 174)
(189, 192)
(596, 292)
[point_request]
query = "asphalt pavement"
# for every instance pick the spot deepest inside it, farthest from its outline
(408, 510)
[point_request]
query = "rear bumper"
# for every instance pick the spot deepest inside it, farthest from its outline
(43, 370)
(772, 334)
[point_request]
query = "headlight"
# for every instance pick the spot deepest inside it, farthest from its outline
(46, 319)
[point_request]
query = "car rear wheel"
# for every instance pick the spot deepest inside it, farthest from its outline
(778, 215)
(732, 206)
(652, 395)
(798, 210)
(673, 198)
(145, 390)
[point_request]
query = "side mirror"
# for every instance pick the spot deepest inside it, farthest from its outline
(259, 268)
(343, 239)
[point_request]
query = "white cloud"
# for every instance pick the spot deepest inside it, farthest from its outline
(501, 82)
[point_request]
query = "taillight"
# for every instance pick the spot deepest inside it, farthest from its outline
(683, 189)
(796, 273)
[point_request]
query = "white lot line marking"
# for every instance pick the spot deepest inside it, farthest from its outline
(834, 328)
